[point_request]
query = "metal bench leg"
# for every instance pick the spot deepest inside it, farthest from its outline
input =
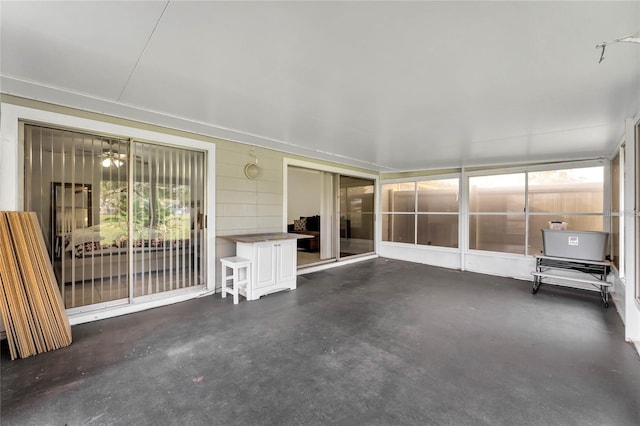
(604, 293)
(536, 284)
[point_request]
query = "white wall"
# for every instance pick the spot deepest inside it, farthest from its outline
(246, 206)
(429, 255)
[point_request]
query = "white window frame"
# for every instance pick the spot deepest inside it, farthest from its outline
(415, 212)
(538, 168)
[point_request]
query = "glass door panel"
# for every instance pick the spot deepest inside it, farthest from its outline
(167, 210)
(76, 183)
(356, 215)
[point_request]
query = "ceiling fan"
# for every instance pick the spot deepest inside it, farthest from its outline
(112, 157)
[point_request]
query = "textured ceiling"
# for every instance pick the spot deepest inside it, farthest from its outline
(382, 85)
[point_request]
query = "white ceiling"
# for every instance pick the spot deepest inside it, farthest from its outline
(383, 85)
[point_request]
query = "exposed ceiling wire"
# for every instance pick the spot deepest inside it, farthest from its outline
(135, 66)
(631, 38)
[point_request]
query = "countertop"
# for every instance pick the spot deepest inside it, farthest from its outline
(259, 238)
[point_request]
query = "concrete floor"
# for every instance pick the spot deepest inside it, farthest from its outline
(382, 342)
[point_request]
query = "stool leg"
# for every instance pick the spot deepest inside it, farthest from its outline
(236, 274)
(224, 281)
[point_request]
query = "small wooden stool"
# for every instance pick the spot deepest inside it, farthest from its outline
(238, 285)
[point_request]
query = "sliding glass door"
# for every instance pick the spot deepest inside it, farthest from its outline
(356, 215)
(334, 211)
(122, 219)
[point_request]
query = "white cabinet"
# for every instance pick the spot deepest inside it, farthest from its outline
(274, 265)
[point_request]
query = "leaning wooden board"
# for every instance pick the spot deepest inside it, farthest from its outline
(30, 302)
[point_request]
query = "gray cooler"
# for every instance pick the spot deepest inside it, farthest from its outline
(583, 245)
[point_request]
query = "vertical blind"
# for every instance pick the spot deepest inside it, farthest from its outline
(122, 219)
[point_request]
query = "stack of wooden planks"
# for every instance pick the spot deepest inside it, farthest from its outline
(32, 309)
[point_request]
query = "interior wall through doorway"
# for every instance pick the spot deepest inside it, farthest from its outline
(310, 211)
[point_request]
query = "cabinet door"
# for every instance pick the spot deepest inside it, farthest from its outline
(265, 264)
(287, 252)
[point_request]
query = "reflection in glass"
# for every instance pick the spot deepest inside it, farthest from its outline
(438, 230)
(617, 206)
(567, 191)
(167, 234)
(399, 197)
(356, 216)
(497, 193)
(71, 210)
(502, 233)
(438, 195)
(398, 228)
